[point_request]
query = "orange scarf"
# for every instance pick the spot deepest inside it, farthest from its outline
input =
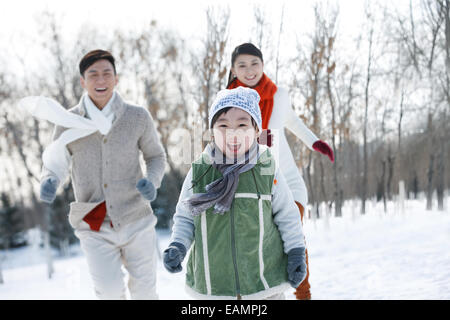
(266, 90)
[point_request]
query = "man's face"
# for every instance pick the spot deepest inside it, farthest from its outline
(99, 81)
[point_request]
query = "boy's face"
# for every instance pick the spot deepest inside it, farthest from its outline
(99, 81)
(234, 132)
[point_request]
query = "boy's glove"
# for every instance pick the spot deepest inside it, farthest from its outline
(296, 266)
(147, 189)
(324, 148)
(48, 189)
(173, 256)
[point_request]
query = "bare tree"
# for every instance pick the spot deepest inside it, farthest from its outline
(4, 95)
(310, 81)
(260, 29)
(330, 38)
(316, 65)
(28, 135)
(443, 10)
(280, 33)
(370, 40)
(210, 67)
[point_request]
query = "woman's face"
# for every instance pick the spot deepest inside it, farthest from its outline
(248, 69)
(234, 132)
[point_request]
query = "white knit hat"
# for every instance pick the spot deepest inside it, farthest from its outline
(243, 98)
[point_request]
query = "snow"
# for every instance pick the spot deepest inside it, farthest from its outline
(393, 255)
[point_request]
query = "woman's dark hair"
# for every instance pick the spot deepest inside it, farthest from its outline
(93, 56)
(245, 48)
(225, 110)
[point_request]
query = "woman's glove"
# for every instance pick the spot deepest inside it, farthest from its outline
(323, 148)
(173, 256)
(147, 189)
(296, 266)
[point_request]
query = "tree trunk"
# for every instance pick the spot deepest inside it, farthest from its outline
(48, 254)
(337, 191)
(6, 245)
(1, 273)
(430, 183)
(390, 176)
(322, 181)
(277, 59)
(366, 115)
(440, 176)
(381, 192)
(311, 192)
(430, 171)
(445, 8)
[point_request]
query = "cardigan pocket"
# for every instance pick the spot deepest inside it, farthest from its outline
(78, 210)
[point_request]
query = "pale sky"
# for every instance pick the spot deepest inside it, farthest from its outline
(18, 19)
(188, 17)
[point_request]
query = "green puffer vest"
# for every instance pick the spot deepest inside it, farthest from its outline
(238, 254)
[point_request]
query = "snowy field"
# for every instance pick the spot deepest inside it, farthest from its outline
(393, 255)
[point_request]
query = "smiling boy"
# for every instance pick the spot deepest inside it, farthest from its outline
(235, 212)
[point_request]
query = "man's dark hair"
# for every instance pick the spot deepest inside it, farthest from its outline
(93, 56)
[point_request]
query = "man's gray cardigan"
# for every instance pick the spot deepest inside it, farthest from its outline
(107, 168)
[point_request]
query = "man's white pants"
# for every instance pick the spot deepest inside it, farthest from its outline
(133, 246)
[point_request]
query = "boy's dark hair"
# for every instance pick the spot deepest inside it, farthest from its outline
(93, 56)
(225, 110)
(245, 48)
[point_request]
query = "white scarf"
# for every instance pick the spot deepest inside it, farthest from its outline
(55, 156)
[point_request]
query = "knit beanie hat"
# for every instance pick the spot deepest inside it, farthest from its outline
(243, 98)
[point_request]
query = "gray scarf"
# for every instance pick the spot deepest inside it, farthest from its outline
(220, 193)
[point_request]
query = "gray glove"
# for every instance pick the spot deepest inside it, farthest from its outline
(173, 256)
(48, 189)
(147, 189)
(296, 266)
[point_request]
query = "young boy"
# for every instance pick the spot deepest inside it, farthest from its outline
(102, 138)
(236, 209)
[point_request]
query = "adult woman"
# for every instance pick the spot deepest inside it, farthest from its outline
(247, 70)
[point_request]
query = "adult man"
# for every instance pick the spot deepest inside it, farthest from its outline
(112, 215)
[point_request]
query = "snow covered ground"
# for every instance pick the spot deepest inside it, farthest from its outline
(393, 255)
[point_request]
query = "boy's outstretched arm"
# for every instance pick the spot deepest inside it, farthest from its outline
(182, 230)
(183, 221)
